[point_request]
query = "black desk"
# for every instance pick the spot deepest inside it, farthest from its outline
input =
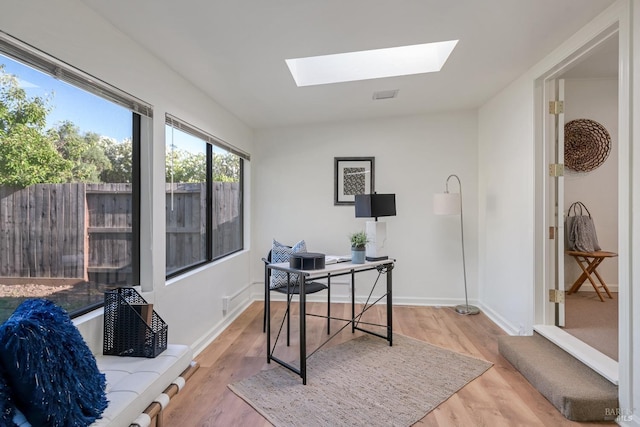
(329, 272)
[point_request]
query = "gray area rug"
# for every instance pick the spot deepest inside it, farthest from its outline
(362, 382)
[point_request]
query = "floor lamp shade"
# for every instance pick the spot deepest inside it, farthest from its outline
(374, 206)
(446, 204)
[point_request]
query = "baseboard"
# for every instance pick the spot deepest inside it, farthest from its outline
(217, 329)
(503, 323)
(341, 293)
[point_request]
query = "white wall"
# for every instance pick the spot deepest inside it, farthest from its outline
(595, 99)
(68, 30)
(294, 193)
(506, 191)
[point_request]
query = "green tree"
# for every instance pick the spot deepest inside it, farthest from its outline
(226, 167)
(28, 153)
(185, 166)
(190, 167)
(86, 152)
(119, 155)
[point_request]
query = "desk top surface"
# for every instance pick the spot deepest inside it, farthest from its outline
(339, 267)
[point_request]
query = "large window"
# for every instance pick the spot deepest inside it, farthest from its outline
(69, 183)
(204, 197)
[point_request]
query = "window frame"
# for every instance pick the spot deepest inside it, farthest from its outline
(32, 57)
(210, 141)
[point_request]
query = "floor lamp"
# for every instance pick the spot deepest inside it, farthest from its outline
(451, 204)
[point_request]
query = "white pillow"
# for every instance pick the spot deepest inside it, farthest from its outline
(282, 253)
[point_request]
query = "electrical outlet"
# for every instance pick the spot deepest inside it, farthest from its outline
(225, 304)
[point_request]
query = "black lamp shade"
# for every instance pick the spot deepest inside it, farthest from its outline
(375, 205)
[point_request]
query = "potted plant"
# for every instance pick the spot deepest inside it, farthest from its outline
(358, 242)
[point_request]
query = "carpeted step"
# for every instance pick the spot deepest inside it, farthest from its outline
(579, 393)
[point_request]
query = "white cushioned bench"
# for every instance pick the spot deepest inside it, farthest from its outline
(135, 383)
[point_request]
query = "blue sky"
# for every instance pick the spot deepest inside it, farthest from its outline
(87, 111)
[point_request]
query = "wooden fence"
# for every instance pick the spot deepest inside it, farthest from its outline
(83, 230)
(42, 231)
(186, 215)
(109, 240)
(227, 227)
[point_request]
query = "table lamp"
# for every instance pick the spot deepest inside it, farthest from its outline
(373, 206)
(451, 204)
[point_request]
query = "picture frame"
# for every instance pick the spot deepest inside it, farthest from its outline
(352, 175)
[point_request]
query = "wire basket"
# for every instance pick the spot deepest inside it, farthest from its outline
(586, 145)
(126, 331)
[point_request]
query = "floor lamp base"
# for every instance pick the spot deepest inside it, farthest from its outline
(467, 309)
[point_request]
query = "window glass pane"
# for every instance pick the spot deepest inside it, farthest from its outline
(66, 185)
(186, 205)
(204, 198)
(227, 202)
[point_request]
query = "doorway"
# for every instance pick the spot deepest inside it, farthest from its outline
(588, 83)
(591, 107)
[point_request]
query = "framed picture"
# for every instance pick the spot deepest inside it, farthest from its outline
(353, 175)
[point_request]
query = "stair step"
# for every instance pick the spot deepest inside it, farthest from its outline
(577, 391)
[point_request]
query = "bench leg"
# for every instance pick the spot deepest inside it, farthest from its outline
(154, 410)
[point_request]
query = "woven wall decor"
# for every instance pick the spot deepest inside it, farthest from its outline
(586, 145)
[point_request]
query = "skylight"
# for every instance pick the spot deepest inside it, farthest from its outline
(370, 64)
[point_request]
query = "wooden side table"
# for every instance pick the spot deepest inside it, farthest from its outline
(589, 262)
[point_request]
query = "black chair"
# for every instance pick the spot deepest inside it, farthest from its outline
(290, 290)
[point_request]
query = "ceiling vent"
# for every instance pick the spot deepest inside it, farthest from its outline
(385, 94)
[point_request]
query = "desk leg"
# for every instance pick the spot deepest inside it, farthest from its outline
(289, 309)
(389, 304)
(267, 317)
(266, 291)
(329, 305)
(303, 327)
(353, 302)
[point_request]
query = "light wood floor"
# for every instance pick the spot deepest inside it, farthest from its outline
(499, 397)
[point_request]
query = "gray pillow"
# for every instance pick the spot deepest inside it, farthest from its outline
(282, 253)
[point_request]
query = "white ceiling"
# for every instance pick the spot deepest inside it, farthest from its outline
(235, 50)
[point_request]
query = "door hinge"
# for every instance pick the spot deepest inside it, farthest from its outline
(552, 233)
(556, 169)
(556, 107)
(556, 296)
